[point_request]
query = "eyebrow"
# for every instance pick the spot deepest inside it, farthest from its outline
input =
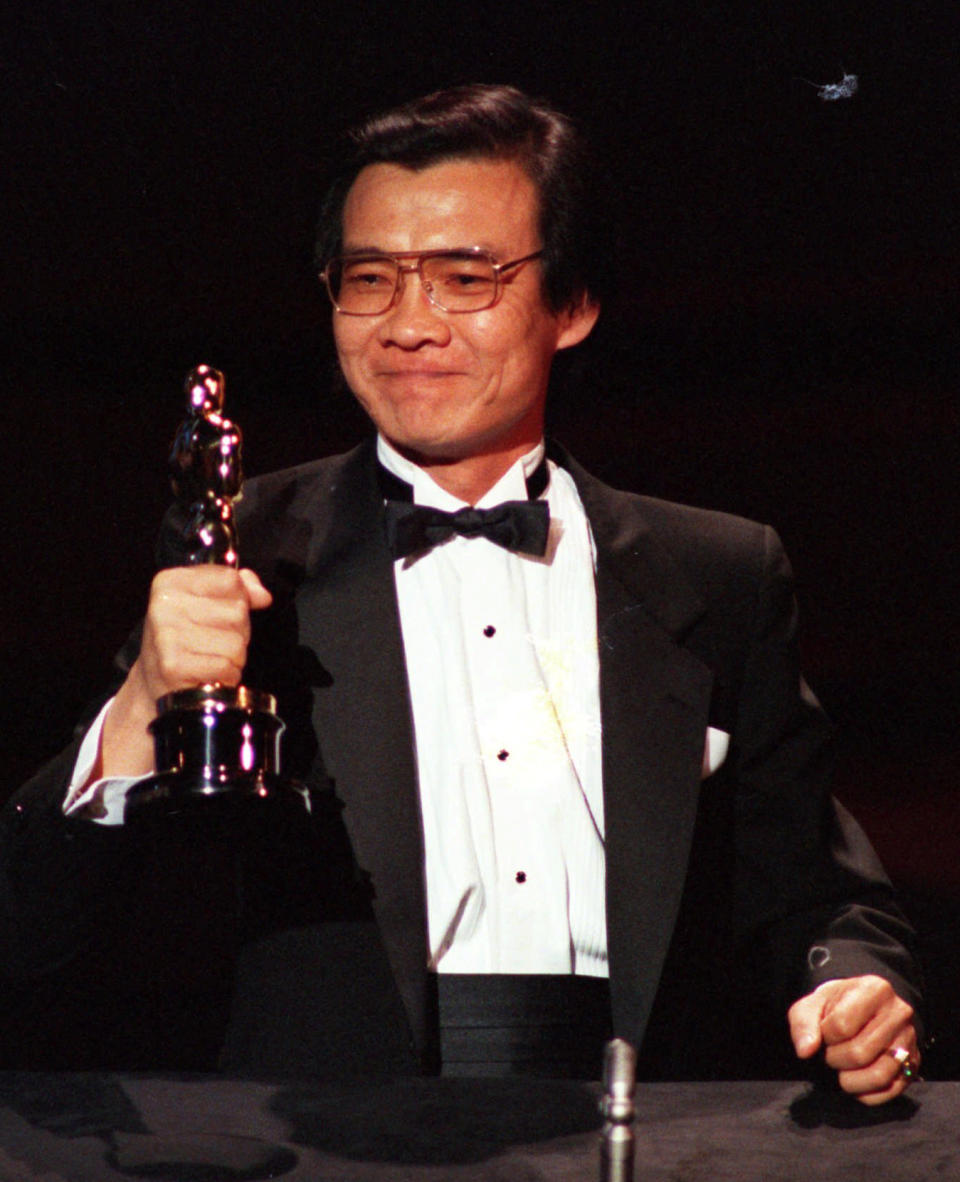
(363, 250)
(350, 251)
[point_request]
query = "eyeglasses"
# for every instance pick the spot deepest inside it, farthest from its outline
(454, 280)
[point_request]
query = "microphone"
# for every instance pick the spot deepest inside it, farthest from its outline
(619, 1083)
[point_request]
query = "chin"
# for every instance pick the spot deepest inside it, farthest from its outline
(427, 440)
(430, 451)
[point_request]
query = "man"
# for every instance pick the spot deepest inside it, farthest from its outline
(589, 760)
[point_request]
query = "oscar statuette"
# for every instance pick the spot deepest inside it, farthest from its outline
(213, 742)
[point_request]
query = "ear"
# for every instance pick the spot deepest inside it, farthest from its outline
(576, 321)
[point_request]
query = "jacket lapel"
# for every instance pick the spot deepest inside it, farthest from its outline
(655, 699)
(347, 619)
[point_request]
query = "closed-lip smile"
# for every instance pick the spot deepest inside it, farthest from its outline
(417, 371)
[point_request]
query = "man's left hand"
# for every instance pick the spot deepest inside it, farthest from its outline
(859, 1022)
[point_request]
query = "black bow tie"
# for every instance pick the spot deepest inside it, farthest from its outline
(516, 525)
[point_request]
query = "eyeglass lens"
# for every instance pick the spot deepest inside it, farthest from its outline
(454, 282)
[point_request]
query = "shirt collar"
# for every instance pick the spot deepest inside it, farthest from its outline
(510, 487)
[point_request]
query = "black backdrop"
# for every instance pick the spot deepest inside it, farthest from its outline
(784, 344)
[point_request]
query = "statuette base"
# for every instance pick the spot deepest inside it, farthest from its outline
(213, 743)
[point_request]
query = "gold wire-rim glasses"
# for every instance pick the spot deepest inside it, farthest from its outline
(487, 284)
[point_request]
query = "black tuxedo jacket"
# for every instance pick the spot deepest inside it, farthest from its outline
(727, 896)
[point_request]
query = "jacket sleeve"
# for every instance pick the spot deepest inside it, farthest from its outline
(60, 877)
(809, 886)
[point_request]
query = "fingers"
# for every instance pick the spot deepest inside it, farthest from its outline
(257, 595)
(804, 1017)
(197, 627)
(859, 1022)
(883, 1079)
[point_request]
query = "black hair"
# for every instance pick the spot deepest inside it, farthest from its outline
(498, 123)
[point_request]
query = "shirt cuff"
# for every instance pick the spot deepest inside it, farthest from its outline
(104, 800)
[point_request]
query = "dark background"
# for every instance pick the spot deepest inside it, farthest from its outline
(784, 344)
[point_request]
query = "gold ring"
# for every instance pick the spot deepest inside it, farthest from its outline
(902, 1056)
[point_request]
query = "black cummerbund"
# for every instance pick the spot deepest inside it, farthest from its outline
(503, 1024)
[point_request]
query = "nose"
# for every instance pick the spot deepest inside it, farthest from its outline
(413, 320)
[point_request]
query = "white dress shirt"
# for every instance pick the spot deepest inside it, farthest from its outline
(502, 663)
(501, 655)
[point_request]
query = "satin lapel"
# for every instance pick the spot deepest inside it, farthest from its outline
(349, 619)
(655, 698)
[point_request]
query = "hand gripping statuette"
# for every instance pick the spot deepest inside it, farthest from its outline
(213, 742)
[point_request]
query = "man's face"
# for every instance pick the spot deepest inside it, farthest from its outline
(447, 386)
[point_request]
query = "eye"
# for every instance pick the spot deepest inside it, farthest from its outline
(459, 273)
(368, 274)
